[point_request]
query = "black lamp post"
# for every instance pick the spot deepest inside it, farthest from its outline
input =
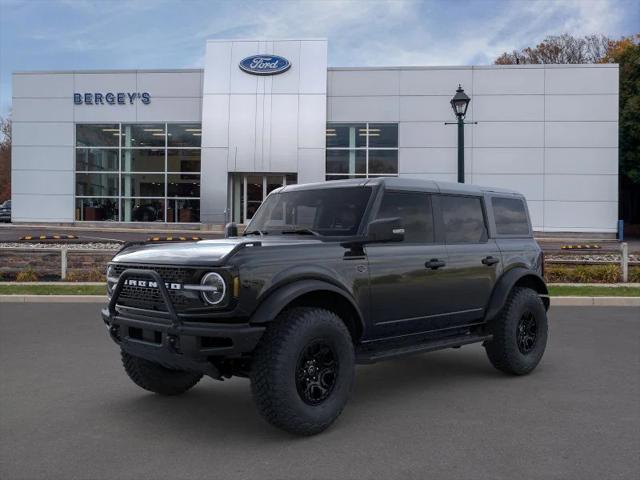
(460, 103)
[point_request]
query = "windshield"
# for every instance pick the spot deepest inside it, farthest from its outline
(322, 211)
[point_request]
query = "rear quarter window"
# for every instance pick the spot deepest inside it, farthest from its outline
(510, 215)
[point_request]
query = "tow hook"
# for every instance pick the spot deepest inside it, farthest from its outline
(173, 342)
(114, 331)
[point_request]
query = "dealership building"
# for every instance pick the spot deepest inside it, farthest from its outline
(205, 146)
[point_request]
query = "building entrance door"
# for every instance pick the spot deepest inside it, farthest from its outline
(248, 190)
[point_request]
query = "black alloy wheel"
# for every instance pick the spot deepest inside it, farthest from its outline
(527, 333)
(316, 372)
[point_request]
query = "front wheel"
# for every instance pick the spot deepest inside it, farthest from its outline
(519, 333)
(303, 370)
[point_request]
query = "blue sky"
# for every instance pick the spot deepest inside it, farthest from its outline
(104, 34)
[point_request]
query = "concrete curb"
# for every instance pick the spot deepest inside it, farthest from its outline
(555, 301)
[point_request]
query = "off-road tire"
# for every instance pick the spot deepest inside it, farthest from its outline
(156, 378)
(276, 363)
(503, 350)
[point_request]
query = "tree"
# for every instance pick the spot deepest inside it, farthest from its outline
(600, 49)
(5, 159)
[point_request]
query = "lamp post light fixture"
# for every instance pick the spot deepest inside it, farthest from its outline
(459, 104)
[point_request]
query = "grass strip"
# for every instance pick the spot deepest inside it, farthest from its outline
(53, 289)
(593, 291)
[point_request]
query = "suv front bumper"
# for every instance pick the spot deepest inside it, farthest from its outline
(172, 342)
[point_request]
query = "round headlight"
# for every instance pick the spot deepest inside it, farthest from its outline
(111, 279)
(215, 288)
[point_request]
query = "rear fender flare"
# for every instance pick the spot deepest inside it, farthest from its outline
(505, 284)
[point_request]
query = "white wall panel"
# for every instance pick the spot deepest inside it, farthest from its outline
(364, 82)
(431, 134)
(536, 213)
(432, 160)
(312, 121)
(581, 160)
(217, 77)
(311, 165)
(213, 193)
(435, 81)
(313, 67)
(508, 134)
(284, 127)
(42, 183)
(42, 134)
(531, 186)
(586, 80)
(42, 110)
(580, 216)
(581, 108)
(429, 108)
(242, 132)
(171, 110)
(43, 85)
(581, 188)
(241, 82)
(581, 134)
(215, 121)
(361, 109)
(170, 84)
(105, 113)
(105, 82)
(42, 158)
(42, 208)
(508, 81)
(508, 108)
(512, 160)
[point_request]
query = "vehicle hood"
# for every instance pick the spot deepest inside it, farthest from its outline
(203, 252)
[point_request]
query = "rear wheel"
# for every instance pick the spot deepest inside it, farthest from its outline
(519, 333)
(303, 370)
(156, 378)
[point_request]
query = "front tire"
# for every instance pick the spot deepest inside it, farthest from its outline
(303, 370)
(520, 333)
(156, 378)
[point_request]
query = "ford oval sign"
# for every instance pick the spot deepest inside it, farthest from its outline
(265, 64)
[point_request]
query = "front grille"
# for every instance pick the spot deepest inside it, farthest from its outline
(150, 298)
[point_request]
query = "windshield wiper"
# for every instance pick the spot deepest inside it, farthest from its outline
(300, 231)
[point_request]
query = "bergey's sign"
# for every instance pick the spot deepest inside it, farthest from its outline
(265, 64)
(109, 98)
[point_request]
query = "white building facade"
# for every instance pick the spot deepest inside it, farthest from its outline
(206, 146)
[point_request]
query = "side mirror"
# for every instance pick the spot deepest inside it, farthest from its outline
(230, 230)
(385, 230)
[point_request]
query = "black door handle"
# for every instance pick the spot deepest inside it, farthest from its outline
(434, 264)
(488, 261)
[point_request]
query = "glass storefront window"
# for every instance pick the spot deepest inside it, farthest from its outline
(96, 185)
(143, 160)
(183, 161)
(184, 135)
(96, 209)
(96, 160)
(94, 135)
(361, 150)
(143, 185)
(144, 135)
(151, 172)
(183, 185)
(183, 211)
(344, 135)
(143, 209)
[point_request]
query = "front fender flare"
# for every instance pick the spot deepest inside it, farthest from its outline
(284, 295)
(505, 284)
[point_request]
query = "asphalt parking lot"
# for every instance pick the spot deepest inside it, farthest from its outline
(68, 411)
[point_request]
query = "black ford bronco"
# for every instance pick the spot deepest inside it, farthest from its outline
(326, 276)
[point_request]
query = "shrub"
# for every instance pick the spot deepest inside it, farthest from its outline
(93, 275)
(27, 275)
(634, 274)
(582, 273)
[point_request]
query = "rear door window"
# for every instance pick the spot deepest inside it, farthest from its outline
(463, 219)
(415, 212)
(510, 215)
